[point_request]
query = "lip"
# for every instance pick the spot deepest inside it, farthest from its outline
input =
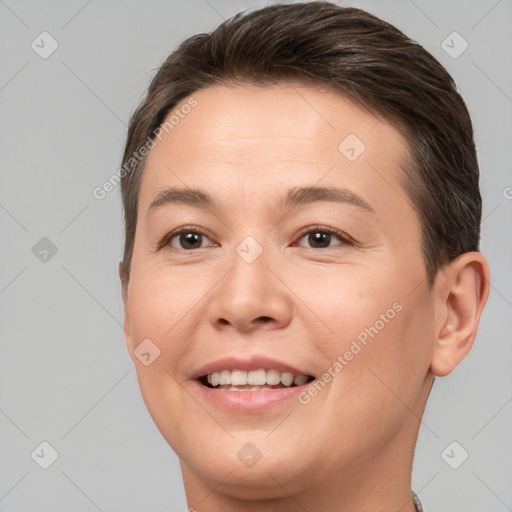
(247, 364)
(248, 401)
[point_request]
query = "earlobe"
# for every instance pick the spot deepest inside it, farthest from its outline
(463, 289)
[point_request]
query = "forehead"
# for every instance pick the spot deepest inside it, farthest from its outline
(263, 138)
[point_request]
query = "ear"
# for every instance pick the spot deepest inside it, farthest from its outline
(463, 288)
(126, 316)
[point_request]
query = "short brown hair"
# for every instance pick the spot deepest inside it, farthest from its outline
(364, 58)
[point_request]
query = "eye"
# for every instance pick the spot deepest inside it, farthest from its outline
(321, 237)
(185, 238)
(189, 238)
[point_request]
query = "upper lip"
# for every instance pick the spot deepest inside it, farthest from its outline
(247, 364)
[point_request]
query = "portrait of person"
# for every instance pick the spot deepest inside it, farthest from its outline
(302, 256)
(307, 262)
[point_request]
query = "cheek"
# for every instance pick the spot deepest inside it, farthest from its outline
(163, 307)
(160, 311)
(382, 342)
(354, 303)
(385, 377)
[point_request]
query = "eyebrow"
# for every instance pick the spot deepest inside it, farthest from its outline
(296, 196)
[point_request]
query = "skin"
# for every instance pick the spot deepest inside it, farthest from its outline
(351, 447)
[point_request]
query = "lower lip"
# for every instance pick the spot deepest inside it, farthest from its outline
(246, 401)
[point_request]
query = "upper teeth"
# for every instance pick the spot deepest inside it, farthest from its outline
(255, 378)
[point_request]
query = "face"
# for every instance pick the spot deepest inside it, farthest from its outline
(299, 253)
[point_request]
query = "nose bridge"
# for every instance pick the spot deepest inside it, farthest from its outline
(250, 272)
(250, 294)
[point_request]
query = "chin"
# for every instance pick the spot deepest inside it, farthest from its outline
(268, 477)
(246, 468)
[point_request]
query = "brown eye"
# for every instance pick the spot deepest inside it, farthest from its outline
(323, 238)
(189, 240)
(319, 239)
(185, 239)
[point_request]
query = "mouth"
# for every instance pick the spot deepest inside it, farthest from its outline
(253, 384)
(254, 380)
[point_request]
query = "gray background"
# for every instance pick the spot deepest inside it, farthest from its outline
(65, 376)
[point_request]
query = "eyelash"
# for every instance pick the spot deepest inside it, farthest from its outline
(343, 237)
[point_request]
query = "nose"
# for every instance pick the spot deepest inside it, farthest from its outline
(250, 296)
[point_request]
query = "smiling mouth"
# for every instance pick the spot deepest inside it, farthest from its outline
(254, 380)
